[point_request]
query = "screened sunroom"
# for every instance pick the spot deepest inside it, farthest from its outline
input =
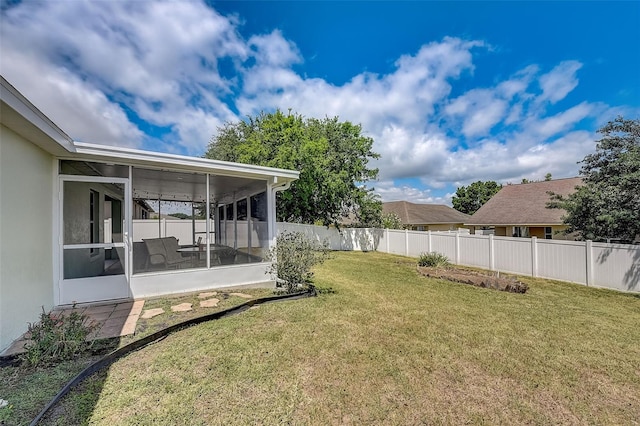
(86, 223)
(138, 224)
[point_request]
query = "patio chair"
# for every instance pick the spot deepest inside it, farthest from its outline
(163, 252)
(157, 254)
(174, 257)
(227, 256)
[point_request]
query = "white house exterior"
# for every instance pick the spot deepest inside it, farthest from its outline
(69, 231)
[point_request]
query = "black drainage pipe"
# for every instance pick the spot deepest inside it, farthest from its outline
(158, 335)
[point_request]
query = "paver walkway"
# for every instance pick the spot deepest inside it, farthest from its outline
(112, 319)
(120, 319)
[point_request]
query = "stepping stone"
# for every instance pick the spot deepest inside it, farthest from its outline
(137, 307)
(150, 313)
(207, 295)
(209, 303)
(243, 295)
(183, 307)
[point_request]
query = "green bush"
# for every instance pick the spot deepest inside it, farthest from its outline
(292, 259)
(433, 260)
(57, 337)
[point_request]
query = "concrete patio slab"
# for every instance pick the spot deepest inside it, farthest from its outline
(111, 319)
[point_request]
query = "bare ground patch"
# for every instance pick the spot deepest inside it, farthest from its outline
(478, 279)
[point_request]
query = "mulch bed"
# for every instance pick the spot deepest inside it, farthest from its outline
(478, 279)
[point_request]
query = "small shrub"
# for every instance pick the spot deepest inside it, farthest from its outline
(292, 259)
(57, 337)
(433, 260)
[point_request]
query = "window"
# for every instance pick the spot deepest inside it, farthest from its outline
(220, 234)
(548, 234)
(520, 231)
(94, 224)
(259, 206)
(241, 206)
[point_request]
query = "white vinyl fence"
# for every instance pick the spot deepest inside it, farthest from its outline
(615, 266)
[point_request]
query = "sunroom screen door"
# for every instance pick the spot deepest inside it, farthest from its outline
(94, 234)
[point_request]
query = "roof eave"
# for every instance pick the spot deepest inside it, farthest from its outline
(182, 162)
(24, 118)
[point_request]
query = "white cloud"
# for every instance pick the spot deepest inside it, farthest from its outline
(561, 122)
(481, 110)
(389, 191)
(407, 154)
(273, 49)
(82, 111)
(159, 58)
(558, 82)
(94, 67)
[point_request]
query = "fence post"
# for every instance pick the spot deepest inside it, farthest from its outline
(492, 263)
(534, 256)
(429, 248)
(589, 249)
(386, 237)
(406, 242)
(457, 248)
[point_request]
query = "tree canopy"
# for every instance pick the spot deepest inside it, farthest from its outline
(331, 156)
(391, 221)
(469, 199)
(607, 206)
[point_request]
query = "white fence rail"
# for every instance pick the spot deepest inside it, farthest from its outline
(615, 266)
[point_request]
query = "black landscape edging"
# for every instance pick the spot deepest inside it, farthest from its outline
(158, 335)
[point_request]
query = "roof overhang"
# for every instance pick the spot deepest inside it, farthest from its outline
(20, 115)
(157, 160)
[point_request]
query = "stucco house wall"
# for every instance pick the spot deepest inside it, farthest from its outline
(535, 231)
(556, 232)
(26, 267)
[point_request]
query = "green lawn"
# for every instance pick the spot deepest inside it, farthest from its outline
(383, 345)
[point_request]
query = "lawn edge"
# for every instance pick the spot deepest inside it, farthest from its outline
(113, 356)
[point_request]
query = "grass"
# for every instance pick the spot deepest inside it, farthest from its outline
(383, 345)
(29, 390)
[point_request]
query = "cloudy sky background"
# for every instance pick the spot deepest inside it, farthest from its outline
(451, 92)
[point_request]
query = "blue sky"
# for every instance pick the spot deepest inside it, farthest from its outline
(451, 92)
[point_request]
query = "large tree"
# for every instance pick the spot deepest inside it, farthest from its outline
(607, 206)
(332, 157)
(469, 199)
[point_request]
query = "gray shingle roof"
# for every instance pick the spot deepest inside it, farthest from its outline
(424, 214)
(524, 204)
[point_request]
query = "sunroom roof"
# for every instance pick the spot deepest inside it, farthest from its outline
(163, 161)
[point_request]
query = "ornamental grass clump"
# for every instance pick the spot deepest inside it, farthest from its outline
(57, 338)
(433, 260)
(292, 259)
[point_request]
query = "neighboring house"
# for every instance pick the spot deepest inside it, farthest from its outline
(141, 209)
(426, 217)
(67, 228)
(521, 210)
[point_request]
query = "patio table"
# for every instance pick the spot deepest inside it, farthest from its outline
(194, 251)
